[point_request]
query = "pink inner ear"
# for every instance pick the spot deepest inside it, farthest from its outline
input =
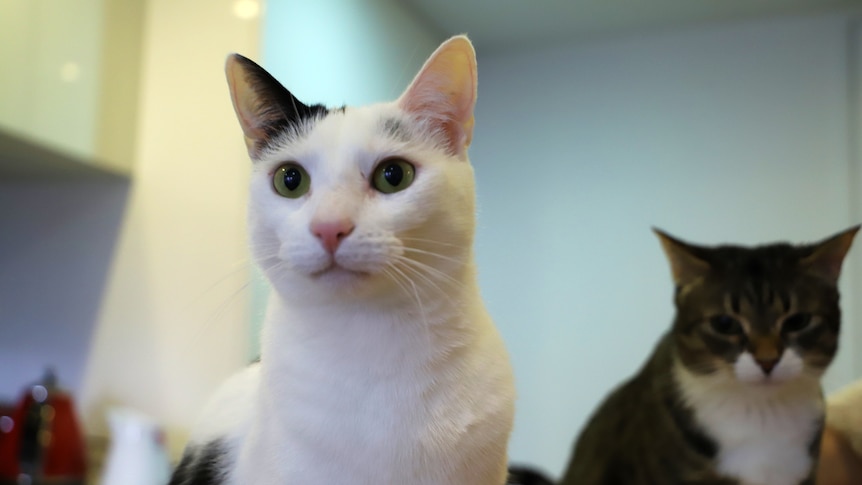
(244, 100)
(444, 92)
(685, 267)
(829, 255)
(247, 119)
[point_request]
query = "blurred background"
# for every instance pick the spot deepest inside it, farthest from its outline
(123, 260)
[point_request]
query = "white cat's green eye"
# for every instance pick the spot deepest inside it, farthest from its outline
(291, 181)
(393, 175)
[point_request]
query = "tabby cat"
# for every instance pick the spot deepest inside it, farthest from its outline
(731, 394)
(379, 364)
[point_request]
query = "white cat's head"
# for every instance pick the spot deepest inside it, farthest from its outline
(359, 201)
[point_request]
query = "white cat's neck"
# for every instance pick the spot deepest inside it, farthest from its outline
(411, 326)
(378, 382)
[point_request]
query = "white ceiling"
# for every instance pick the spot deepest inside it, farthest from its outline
(503, 24)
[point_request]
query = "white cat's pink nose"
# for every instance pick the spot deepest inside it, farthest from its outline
(331, 233)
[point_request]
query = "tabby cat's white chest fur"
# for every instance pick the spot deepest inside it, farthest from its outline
(764, 434)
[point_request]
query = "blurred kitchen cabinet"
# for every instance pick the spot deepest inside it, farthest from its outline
(69, 77)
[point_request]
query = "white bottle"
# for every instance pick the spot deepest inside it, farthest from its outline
(137, 454)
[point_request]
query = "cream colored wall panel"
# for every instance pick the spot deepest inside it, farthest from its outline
(69, 79)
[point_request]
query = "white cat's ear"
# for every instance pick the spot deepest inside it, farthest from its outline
(444, 92)
(686, 267)
(828, 255)
(263, 106)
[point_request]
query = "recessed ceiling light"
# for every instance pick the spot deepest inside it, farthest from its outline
(246, 9)
(70, 72)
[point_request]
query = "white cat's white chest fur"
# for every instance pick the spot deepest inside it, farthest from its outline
(350, 399)
(763, 434)
(371, 402)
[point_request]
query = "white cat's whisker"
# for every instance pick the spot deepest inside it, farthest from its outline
(436, 255)
(220, 309)
(234, 268)
(202, 326)
(431, 241)
(419, 271)
(390, 272)
(409, 287)
(275, 266)
(426, 331)
(205, 326)
(399, 272)
(428, 281)
(431, 271)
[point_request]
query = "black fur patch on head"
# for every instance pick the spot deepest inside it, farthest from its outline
(278, 110)
(201, 465)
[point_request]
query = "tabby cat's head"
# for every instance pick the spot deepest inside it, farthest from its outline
(354, 201)
(762, 315)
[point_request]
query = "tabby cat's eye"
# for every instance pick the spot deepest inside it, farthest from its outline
(393, 175)
(291, 181)
(725, 325)
(796, 322)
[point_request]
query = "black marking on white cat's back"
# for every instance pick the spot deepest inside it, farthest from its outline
(522, 475)
(279, 110)
(201, 465)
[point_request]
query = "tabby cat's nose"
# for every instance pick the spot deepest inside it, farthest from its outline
(767, 365)
(331, 233)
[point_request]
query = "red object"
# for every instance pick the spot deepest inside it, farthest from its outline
(45, 440)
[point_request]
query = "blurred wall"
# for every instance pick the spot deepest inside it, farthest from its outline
(174, 319)
(726, 133)
(56, 243)
(340, 52)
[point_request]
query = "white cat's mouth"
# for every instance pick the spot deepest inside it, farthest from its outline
(335, 270)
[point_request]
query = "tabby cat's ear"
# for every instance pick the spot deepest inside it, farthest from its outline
(263, 106)
(828, 255)
(444, 93)
(685, 265)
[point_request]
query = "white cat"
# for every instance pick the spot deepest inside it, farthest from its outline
(380, 364)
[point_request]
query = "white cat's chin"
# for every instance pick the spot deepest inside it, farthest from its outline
(333, 282)
(336, 275)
